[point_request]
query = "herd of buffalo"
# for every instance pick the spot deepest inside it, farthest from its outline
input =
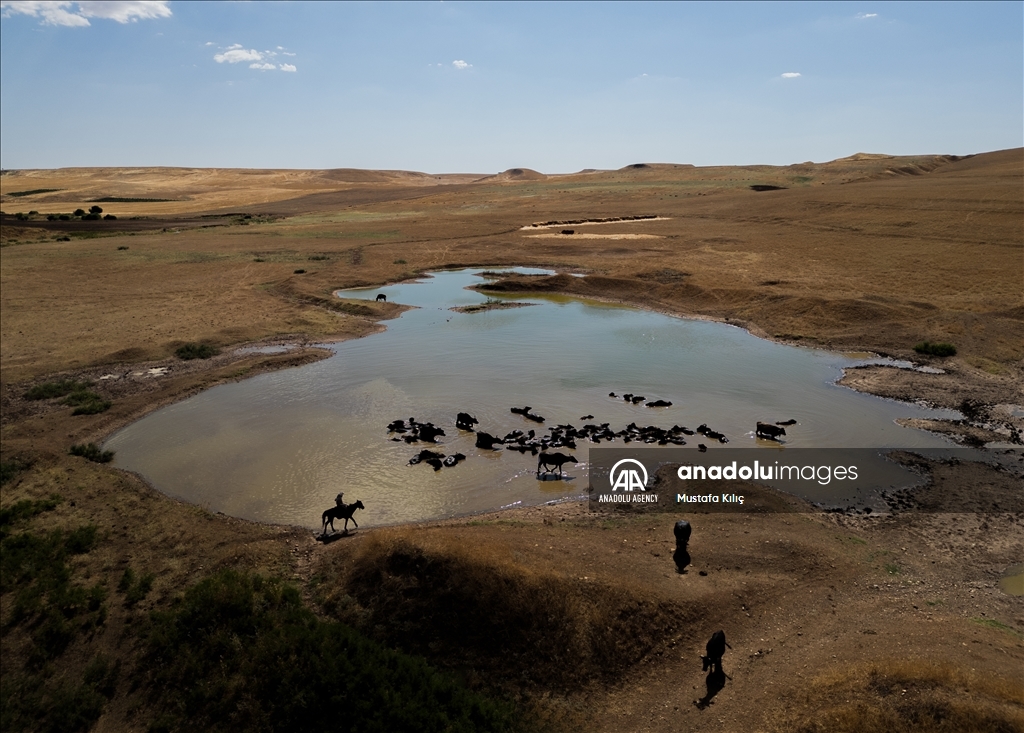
(559, 436)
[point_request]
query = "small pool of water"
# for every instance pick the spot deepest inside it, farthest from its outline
(1012, 580)
(279, 447)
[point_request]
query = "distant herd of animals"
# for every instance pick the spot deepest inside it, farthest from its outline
(558, 436)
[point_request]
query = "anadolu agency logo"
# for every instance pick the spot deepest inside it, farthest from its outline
(628, 479)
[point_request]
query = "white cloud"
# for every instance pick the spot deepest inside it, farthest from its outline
(236, 54)
(208, 43)
(125, 12)
(285, 53)
(52, 13)
(862, 16)
(791, 75)
(460, 64)
(77, 14)
(259, 60)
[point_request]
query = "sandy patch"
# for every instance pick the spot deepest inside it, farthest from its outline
(590, 235)
(480, 307)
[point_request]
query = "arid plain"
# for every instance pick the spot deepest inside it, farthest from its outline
(836, 621)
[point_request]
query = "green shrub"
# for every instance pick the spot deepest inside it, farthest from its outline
(54, 610)
(25, 509)
(49, 390)
(11, 468)
(400, 262)
(86, 402)
(132, 589)
(92, 452)
(935, 349)
(241, 652)
(195, 351)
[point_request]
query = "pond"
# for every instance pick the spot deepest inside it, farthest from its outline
(279, 447)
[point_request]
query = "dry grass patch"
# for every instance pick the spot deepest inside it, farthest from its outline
(907, 696)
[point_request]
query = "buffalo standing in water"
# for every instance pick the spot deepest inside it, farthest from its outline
(553, 461)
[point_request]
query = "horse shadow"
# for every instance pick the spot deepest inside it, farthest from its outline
(715, 683)
(333, 536)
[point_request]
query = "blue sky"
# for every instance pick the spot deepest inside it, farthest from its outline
(465, 87)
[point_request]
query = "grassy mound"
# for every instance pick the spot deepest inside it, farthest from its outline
(48, 610)
(241, 652)
(488, 616)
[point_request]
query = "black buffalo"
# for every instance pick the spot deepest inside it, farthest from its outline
(465, 421)
(486, 441)
(552, 461)
(381, 296)
(771, 432)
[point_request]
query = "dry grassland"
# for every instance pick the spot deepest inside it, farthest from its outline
(836, 623)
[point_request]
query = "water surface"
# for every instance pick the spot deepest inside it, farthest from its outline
(279, 446)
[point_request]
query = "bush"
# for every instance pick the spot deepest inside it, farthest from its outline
(48, 390)
(241, 652)
(35, 571)
(86, 403)
(64, 217)
(79, 212)
(195, 351)
(11, 468)
(935, 349)
(135, 590)
(300, 272)
(95, 210)
(400, 262)
(110, 217)
(92, 407)
(92, 452)
(91, 217)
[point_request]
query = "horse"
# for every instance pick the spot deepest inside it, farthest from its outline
(345, 511)
(381, 296)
